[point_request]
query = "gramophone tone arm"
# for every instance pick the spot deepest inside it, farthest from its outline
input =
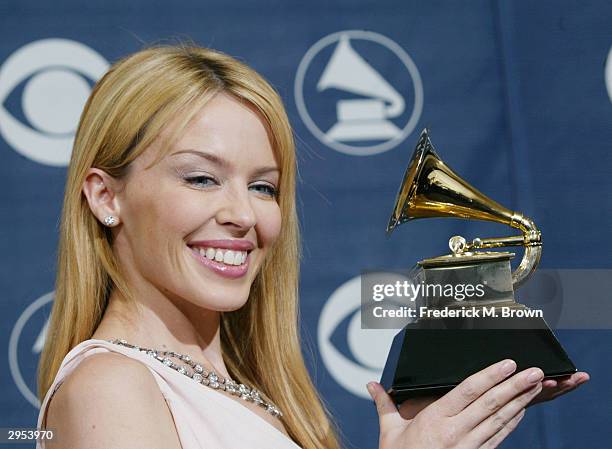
(531, 235)
(497, 242)
(531, 240)
(459, 245)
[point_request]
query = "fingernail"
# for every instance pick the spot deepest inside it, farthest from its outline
(535, 375)
(370, 387)
(508, 367)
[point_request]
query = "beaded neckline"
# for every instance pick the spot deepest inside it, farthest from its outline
(199, 374)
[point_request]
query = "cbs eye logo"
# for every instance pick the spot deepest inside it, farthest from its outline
(53, 73)
(352, 355)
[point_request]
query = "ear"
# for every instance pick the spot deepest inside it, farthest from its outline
(101, 190)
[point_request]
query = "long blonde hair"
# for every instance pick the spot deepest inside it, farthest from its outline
(126, 111)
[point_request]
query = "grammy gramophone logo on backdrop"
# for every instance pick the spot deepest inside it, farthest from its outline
(26, 343)
(358, 92)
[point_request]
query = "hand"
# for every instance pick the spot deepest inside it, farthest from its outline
(553, 388)
(479, 413)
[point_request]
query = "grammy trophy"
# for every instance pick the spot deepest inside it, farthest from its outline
(431, 355)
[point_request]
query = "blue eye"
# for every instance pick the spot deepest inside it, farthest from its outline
(266, 189)
(200, 180)
(207, 181)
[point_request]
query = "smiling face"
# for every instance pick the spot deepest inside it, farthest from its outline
(198, 224)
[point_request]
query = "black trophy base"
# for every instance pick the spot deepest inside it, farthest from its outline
(428, 358)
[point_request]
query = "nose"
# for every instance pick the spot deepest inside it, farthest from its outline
(237, 209)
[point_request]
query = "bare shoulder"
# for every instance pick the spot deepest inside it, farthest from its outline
(113, 401)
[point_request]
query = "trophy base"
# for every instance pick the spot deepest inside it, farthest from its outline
(427, 358)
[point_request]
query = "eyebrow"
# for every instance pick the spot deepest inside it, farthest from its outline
(217, 160)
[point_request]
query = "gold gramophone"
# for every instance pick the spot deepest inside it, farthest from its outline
(431, 355)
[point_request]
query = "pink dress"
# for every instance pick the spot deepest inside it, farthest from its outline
(204, 417)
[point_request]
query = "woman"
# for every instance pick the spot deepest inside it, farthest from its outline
(179, 233)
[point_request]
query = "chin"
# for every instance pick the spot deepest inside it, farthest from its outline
(221, 303)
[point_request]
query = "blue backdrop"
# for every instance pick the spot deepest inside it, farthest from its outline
(517, 96)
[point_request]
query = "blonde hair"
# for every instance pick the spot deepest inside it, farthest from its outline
(125, 113)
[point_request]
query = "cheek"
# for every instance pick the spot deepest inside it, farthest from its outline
(163, 218)
(269, 224)
(166, 219)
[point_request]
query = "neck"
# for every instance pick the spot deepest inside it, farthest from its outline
(157, 321)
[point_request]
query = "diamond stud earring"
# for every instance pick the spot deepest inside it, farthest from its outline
(109, 220)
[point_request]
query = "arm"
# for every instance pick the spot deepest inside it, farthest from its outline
(110, 401)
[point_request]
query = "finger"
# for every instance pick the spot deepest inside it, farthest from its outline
(497, 421)
(556, 394)
(473, 387)
(548, 390)
(388, 415)
(499, 396)
(583, 377)
(578, 377)
(500, 436)
(560, 387)
(566, 387)
(565, 384)
(574, 380)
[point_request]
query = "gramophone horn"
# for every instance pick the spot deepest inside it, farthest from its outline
(432, 189)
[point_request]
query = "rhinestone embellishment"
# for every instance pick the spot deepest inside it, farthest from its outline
(199, 374)
(110, 220)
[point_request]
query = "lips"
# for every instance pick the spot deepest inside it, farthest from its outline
(227, 258)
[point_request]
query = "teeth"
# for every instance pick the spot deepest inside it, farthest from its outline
(226, 256)
(219, 256)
